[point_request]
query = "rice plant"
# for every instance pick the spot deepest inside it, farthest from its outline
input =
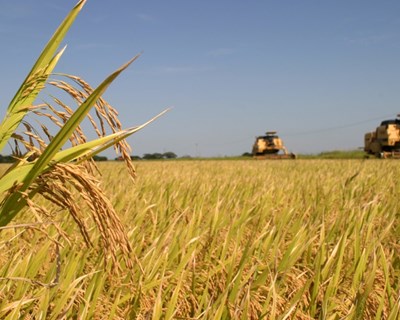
(53, 181)
(46, 166)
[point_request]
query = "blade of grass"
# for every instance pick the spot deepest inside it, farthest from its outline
(69, 295)
(157, 310)
(383, 261)
(333, 283)
(174, 299)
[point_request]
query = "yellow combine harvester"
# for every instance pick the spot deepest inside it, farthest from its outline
(384, 142)
(270, 146)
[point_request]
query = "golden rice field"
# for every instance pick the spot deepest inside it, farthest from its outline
(243, 239)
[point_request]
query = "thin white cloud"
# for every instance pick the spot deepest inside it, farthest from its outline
(369, 40)
(170, 70)
(15, 10)
(220, 52)
(182, 69)
(146, 17)
(92, 46)
(177, 69)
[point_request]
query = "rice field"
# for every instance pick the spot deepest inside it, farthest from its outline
(242, 239)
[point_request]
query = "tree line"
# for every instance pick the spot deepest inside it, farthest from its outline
(150, 156)
(146, 156)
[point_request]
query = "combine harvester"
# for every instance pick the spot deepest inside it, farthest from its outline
(270, 146)
(384, 142)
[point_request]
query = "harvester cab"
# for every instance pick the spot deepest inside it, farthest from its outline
(384, 142)
(270, 146)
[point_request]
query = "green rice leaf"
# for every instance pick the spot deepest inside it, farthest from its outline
(36, 78)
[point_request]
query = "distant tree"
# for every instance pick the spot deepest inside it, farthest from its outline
(158, 155)
(148, 156)
(152, 156)
(136, 158)
(247, 154)
(169, 155)
(100, 158)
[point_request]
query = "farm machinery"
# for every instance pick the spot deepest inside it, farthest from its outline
(270, 146)
(384, 142)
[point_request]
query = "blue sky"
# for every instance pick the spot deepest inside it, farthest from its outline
(321, 73)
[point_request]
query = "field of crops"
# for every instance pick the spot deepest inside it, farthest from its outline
(304, 239)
